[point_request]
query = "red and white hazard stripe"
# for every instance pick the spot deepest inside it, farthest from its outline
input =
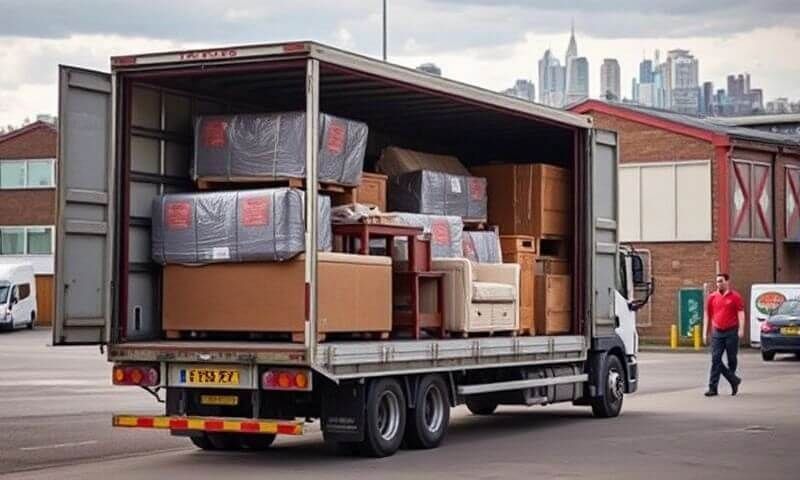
(210, 424)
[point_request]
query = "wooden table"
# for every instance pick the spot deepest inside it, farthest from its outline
(364, 232)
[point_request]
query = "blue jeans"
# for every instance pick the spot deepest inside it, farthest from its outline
(723, 341)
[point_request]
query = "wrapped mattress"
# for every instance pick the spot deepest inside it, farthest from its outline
(438, 193)
(274, 145)
(445, 233)
(482, 246)
(234, 226)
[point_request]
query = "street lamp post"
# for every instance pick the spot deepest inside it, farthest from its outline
(384, 30)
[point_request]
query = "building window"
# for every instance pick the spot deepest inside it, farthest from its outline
(33, 240)
(751, 199)
(665, 201)
(12, 241)
(38, 173)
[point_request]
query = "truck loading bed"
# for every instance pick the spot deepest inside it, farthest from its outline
(363, 359)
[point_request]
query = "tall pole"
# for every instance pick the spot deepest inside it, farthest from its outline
(384, 30)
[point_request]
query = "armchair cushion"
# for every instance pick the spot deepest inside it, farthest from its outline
(493, 292)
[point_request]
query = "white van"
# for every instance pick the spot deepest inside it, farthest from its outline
(765, 298)
(17, 296)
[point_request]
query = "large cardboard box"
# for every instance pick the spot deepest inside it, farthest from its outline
(354, 295)
(532, 199)
(396, 161)
(553, 304)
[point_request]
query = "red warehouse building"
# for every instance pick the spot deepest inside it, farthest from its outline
(27, 206)
(702, 198)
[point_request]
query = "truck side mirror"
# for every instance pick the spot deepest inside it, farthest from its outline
(637, 270)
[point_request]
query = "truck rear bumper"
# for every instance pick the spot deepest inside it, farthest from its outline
(185, 425)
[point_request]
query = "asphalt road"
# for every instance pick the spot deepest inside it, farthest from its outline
(55, 406)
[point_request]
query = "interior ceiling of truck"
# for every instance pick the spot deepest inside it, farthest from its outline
(397, 114)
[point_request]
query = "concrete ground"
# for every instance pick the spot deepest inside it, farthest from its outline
(55, 406)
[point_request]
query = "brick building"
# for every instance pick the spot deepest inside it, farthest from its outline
(27, 205)
(702, 198)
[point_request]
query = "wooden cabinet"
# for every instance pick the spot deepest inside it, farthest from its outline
(371, 190)
(553, 304)
(531, 199)
(522, 250)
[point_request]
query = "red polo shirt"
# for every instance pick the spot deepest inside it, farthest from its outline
(723, 309)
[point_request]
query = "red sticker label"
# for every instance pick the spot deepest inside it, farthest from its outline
(337, 135)
(477, 188)
(214, 133)
(254, 212)
(179, 215)
(440, 232)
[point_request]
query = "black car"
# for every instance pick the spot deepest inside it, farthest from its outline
(780, 333)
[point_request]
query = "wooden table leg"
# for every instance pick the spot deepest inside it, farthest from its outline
(365, 241)
(412, 266)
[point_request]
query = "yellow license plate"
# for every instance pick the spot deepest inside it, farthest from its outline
(231, 400)
(790, 331)
(212, 376)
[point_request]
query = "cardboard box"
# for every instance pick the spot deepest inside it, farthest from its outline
(553, 303)
(355, 295)
(371, 190)
(396, 161)
(532, 199)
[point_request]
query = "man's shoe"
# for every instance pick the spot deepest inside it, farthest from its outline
(735, 385)
(711, 393)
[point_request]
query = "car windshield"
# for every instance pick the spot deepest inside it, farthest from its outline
(4, 288)
(791, 307)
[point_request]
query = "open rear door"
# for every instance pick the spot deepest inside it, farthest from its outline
(84, 213)
(604, 237)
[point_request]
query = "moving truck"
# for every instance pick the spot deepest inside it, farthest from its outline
(125, 138)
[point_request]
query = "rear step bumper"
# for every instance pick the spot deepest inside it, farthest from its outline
(181, 424)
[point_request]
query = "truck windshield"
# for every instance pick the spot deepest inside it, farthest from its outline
(4, 288)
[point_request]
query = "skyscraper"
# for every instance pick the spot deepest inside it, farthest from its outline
(707, 107)
(683, 92)
(551, 80)
(577, 72)
(523, 89)
(646, 71)
(610, 87)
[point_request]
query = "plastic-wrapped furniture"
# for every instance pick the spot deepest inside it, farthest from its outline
(479, 297)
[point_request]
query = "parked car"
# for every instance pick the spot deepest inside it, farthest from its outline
(780, 333)
(17, 296)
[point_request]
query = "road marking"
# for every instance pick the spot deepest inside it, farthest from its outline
(60, 445)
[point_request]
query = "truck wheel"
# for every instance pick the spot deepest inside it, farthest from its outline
(767, 356)
(256, 442)
(610, 404)
(224, 441)
(386, 418)
(480, 406)
(202, 442)
(427, 423)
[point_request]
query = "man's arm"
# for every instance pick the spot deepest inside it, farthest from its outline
(705, 320)
(741, 323)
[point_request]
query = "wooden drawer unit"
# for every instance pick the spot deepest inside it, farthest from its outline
(522, 250)
(553, 304)
(371, 190)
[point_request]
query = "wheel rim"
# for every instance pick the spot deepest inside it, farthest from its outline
(388, 415)
(433, 409)
(616, 386)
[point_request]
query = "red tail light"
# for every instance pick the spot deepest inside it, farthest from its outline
(286, 379)
(767, 327)
(143, 376)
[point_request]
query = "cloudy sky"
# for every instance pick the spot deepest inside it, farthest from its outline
(486, 42)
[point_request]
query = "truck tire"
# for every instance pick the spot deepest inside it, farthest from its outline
(385, 423)
(222, 441)
(426, 424)
(256, 441)
(479, 406)
(767, 356)
(610, 403)
(202, 442)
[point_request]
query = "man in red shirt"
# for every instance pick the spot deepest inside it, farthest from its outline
(725, 313)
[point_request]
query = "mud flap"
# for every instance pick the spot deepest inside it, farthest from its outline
(343, 412)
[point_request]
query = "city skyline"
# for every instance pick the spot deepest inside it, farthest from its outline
(488, 44)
